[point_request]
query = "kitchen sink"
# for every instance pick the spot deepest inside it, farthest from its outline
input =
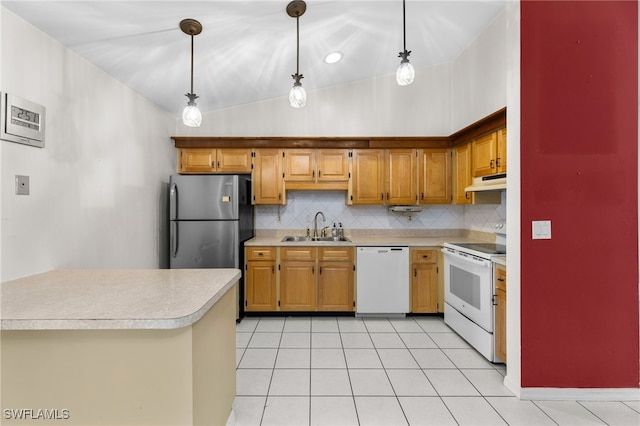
(299, 239)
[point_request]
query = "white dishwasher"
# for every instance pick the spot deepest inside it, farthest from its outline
(382, 280)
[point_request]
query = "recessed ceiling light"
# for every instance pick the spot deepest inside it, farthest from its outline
(333, 57)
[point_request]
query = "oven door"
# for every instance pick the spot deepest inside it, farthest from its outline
(468, 286)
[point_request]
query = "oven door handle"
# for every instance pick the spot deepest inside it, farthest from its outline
(466, 257)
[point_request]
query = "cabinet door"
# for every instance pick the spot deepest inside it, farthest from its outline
(333, 165)
(401, 171)
(484, 155)
(267, 185)
(298, 286)
(367, 179)
(501, 314)
(335, 286)
(300, 165)
(197, 160)
(435, 176)
(462, 173)
(260, 286)
(501, 156)
(424, 288)
(231, 160)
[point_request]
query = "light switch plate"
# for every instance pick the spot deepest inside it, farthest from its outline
(22, 185)
(541, 229)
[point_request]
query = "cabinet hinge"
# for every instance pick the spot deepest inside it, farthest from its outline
(354, 303)
(253, 154)
(351, 197)
(282, 154)
(278, 303)
(278, 266)
(354, 267)
(245, 303)
(437, 270)
(350, 154)
(246, 267)
(349, 175)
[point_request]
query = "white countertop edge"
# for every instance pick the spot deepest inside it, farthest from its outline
(118, 324)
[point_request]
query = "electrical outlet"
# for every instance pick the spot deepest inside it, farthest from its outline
(22, 185)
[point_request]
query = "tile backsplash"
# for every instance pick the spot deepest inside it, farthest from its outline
(302, 206)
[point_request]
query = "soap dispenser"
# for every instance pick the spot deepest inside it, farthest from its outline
(334, 230)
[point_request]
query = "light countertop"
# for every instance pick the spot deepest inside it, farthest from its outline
(365, 241)
(112, 299)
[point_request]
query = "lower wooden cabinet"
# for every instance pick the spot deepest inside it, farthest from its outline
(424, 280)
(501, 313)
(260, 279)
(297, 278)
(336, 279)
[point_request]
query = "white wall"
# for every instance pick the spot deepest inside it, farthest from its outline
(97, 194)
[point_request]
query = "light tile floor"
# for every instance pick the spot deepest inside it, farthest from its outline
(379, 371)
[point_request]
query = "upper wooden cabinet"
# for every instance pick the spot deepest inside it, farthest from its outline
(384, 176)
(434, 176)
(316, 168)
(267, 177)
(490, 154)
(220, 160)
(462, 174)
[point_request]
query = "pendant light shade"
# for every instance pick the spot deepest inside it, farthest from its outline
(191, 115)
(297, 95)
(405, 73)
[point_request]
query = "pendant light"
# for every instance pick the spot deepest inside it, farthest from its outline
(405, 73)
(297, 95)
(191, 115)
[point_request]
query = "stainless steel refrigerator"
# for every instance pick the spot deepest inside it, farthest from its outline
(210, 218)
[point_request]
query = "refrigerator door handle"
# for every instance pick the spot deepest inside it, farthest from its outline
(174, 239)
(173, 202)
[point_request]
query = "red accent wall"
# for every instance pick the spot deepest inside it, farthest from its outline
(579, 164)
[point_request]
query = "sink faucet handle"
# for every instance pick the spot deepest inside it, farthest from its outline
(307, 232)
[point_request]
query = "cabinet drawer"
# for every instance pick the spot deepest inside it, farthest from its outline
(501, 278)
(297, 253)
(424, 256)
(336, 253)
(261, 253)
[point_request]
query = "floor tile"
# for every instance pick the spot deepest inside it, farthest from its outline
(248, 410)
(356, 340)
(253, 382)
(247, 325)
(258, 358)
(467, 358)
(242, 339)
(288, 382)
(297, 324)
(432, 324)
(473, 411)
(387, 340)
(410, 383)
(295, 340)
(488, 382)
(329, 382)
(327, 358)
(324, 325)
(449, 340)
(633, 404)
(333, 410)
(326, 340)
(397, 358)
(285, 411)
(265, 340)
(451, 383)
(293, 358)
(362, 358)
(417, 340)
(431, 358)
(383, 411)
(426, 411)
(378, 325)
(407, 325)
(568, 413)
(273, 325)
(351, 325)
(613, 412)
(519, 412)
(370, 383)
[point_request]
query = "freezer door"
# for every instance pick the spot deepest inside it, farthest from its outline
(203, 197)
(204, 244)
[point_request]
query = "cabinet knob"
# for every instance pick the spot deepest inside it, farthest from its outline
(491, 164)
(498, 162)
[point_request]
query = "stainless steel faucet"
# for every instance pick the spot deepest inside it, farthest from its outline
(315, 223)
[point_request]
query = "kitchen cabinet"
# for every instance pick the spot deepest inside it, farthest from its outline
(297, 271)
(462, 177)
(490, 154)
(267, 177)
(434, 176)
(336, 279)
(424, 280)
(384, 176)
(260, 279)
(316, 169)
(501, 313)
(220, 160)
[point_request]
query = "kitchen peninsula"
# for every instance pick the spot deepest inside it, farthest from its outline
(119, 347)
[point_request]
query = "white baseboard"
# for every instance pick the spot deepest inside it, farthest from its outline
(578, 394)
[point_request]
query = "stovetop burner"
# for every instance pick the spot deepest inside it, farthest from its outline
(488, 248)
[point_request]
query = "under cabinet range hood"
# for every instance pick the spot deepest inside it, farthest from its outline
(488, 183)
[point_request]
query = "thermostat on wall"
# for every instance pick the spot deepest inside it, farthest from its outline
(21, 121)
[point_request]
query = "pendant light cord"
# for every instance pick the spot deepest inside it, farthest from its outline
(191, 63)
(298, 44)
(404, 27)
